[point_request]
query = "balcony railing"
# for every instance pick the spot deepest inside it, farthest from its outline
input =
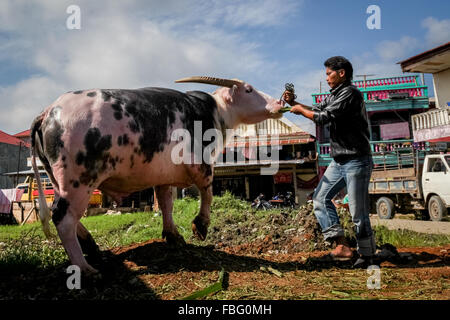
(387, 82)
(382, 89)
(379, 147)
(431, 119)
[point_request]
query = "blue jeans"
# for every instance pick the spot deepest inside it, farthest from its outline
(355, 174)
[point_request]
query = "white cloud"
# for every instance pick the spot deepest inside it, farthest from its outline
(438, 31)
(398, 49)
(258, 13)
(126, 44)
(373, 66)
(25, 100)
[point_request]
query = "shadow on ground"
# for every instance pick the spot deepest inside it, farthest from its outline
(121, 267)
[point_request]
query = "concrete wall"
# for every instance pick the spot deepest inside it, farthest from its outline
(302, 195)
(441, 82)
(9, 157)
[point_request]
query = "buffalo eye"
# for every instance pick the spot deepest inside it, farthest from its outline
(248, 90)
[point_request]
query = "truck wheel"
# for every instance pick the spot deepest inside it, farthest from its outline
(436, 208)
(385, 208)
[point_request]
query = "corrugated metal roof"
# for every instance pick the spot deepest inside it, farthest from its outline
(269, 126)
(22, 134)
(268, 140)
(21, 173)
(442, 48)
(9, 139)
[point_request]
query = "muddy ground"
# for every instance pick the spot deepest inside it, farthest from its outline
(273, 258)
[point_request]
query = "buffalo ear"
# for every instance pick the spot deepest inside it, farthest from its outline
(229, 94)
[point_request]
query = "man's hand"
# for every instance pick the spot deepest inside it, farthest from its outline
(296, 109)
(299, 108)
(288, 97)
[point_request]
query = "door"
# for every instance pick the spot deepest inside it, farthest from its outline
(436, 178)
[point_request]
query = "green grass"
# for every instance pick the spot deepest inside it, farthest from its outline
(9, 232)
(25, 247)
(407, 238)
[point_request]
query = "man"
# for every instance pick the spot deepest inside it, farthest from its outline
(352, 164)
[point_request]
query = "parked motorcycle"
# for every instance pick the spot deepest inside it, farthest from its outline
(289, 200)
(260, 203)
(284, 200)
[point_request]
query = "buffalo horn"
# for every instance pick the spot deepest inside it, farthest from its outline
(210, 80)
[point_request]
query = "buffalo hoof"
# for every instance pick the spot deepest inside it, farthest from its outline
(173, 239)
(91, 278)
(90, 249)
(199, 228)
(91, 272)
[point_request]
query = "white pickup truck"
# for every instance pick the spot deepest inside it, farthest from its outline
(422, 186)
(436, 185)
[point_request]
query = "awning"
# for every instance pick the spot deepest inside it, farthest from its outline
(21, 173)
(431, 61)
(270, 140)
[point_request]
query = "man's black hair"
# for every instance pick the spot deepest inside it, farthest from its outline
(339, 62)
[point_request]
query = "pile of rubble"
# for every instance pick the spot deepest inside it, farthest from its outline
(277, 232)
(285, 232)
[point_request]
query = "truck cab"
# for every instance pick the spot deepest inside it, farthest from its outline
(436, 185)
(28, 186)
(409, 180)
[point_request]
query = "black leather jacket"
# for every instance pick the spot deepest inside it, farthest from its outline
(345, 110)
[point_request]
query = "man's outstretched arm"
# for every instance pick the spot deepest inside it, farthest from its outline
(297, 107)
(341, 106)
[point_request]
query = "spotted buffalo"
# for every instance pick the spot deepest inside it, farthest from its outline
(119, 141)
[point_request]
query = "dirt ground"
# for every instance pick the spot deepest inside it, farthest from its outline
(421, 273)
(276, 257)
(153, 270)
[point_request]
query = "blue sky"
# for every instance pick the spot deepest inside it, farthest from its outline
(131, 43)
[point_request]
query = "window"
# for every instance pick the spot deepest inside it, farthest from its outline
(435, 165)
(25, 188)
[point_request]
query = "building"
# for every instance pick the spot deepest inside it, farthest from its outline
(24, 136)
(13, 158)
(433, 126)
(437, 62)
(245, 164)
(391, 102)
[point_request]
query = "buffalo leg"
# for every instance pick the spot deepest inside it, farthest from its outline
(165, 202)
(204, 184)
(87, 243)
(66, 216)
(201, 221)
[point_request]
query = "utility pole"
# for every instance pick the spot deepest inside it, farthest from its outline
(364, 77)
(18, 166)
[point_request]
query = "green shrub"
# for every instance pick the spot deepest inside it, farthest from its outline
(29, 252)
(229, 202)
